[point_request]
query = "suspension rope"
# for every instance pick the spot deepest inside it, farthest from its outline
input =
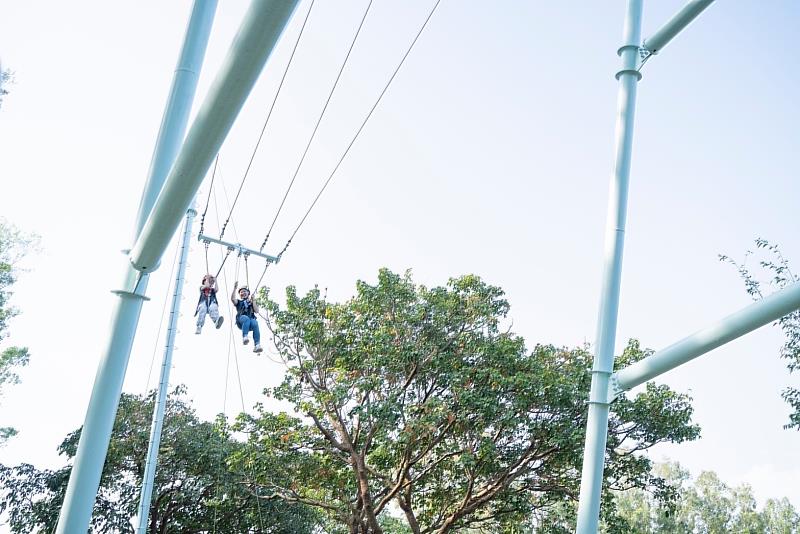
(236, 271)
(252, 445)
(366, 119)
(266, 122)
(225, 389)
(212, 190)
(223, 262)
(261, 278)
(246, 270)
(232, 347)
(316, 126)
(208, 199)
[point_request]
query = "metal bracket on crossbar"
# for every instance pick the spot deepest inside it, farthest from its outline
(614, 388)
(239, 248)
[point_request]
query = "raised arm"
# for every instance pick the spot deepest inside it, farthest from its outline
(234, 297)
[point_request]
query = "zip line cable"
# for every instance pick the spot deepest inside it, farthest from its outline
(246, 255)
(208, 199)
(366, 119)
(316, 126)
(269, 114)
(213, 191)
(227, 202)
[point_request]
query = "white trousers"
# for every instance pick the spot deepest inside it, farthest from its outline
(202, 310)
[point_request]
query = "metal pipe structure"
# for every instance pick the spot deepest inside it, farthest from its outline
(239, 248)
(163, 384)
(180, 102)
(76, 510)
(736, 325)
(262, 26)
(597, 423)
(675, 25)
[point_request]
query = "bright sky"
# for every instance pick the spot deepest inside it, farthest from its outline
(490, 154)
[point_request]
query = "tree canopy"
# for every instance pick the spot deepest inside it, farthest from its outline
(421, 404)
(706, 504)
(13, 247)
(771, 261)
(6, 78)
(195, 490)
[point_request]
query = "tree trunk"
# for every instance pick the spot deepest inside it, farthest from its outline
(405, 506)
(368, 507)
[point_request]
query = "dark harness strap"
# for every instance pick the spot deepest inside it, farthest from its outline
(208, 299)
(244, 308)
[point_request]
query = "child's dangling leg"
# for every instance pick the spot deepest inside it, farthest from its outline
(213, 311)
(201, 316)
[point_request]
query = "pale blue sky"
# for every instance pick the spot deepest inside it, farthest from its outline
(491, 154)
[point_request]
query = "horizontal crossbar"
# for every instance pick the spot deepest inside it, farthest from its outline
(237, 247)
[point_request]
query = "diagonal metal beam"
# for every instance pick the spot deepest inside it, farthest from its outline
(675, 25)
(257, 36)
(734, 326)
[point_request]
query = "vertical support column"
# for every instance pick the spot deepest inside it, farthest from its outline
(76, 511)
(163, 383)
(597, 423)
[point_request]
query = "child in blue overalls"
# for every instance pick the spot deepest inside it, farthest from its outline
(246, 309)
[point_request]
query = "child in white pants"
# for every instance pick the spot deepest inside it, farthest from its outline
(208, 303)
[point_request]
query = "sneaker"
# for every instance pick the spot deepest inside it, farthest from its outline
(219, 322)
(257, 348)
(199, 329)
(245, 341)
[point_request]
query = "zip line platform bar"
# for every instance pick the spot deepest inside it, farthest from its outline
(237, 247)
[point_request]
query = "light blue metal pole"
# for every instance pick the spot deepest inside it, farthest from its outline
(163, 384)
(76, 511)
(260, 30)
(597, 423)
(736, 325)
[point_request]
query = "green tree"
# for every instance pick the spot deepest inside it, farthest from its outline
(6, 78)
(780, 517)
(771, 261)
(705, 506)
(421, 401)
(194, 489)
(13, 247)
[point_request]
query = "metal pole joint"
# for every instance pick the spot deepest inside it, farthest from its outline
(615, 389)
(632, 62)
(129, 294)
(599, 392)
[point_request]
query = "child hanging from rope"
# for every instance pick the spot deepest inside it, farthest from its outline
(246, 309)
(208, 303)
